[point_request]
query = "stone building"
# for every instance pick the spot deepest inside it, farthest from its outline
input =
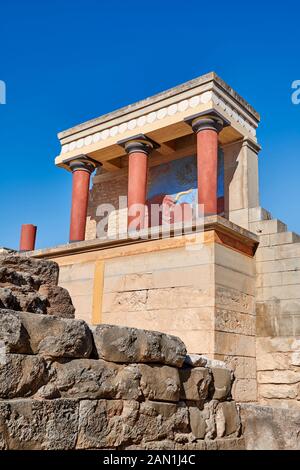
(229, 286)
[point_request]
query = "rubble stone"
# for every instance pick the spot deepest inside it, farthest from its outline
(195, 383)
(160, 382)
(222, 381)
(123, 344)
(57, 337)
(91, 379)
(59, 302)
(21, 375)
(45, 270)
(12, 333)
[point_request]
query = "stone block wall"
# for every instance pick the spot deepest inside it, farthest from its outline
(270, 428)
(234, 319)
(204, 296)
(65, 386)
(277, 314)
(194, 287)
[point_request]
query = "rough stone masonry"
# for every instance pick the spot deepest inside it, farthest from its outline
(65, 386)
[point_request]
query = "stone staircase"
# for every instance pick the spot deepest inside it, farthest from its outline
(277, 310)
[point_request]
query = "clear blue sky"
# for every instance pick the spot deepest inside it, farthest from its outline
(68, 61)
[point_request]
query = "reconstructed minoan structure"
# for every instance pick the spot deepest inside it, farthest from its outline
(230, 286)
(66, 385)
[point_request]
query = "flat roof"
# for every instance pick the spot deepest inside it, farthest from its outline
(189, 85)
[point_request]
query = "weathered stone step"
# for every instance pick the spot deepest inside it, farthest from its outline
(265, 227)
(282, 238)
(259, 213)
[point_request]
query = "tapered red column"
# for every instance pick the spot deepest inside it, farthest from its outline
(207, 129)
(81, 170)
(28, 236)
(138, 153)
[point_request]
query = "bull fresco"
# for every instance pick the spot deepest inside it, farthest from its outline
(173, 186)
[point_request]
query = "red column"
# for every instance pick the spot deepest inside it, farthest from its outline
(137, 182)
(207, 129)
(28, 236)
(80, 196)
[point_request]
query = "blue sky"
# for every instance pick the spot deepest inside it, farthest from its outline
(68, 61)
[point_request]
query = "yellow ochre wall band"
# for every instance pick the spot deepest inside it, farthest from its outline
(98, 292)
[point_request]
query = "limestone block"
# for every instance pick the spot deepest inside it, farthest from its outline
(78, 287)
(267, 226)
(129, 282)
(264, 240)
(240, 217)
(290, 306)
(273, 361)
(242, 367)
(197, 341)
(234, 260)
(83, 306)
(292, 264)
(227, 277)
(295, 359)
(282, 391)
(259, 213)
(34, 270)
(278, 292)
(190, 276)
(244, 390)
(290, 277)
(69, 273)
(234, 344)
(115, 423)
(269, 279)
(277, 344)
(195, 383)
(265, 253)
(27, 424)
(197, 422)
(91, 379)
(124, 301)
(267, 428)
(222, 380)
(160, 383)
(227, 419)
(279, 377)
(234, 322)
(21, 375)
(57, 337)
(235, 443)
(266, 317)
(164, 258)
(284, 238)
(181, 297)
(287, 251)
(12, 333)
(59, 301)
(161, 319)
(122, 344)
(232, 299)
